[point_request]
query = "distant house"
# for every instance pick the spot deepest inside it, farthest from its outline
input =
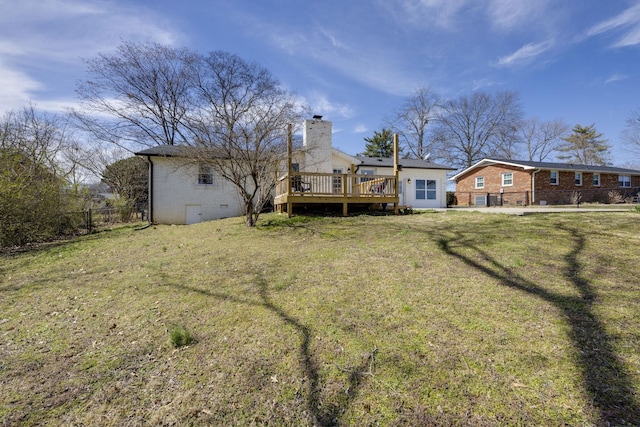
(184, 192)
(493, 182)
(321, 174)
(421, 184)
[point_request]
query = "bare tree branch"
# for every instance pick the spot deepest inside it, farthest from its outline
(411, 121)
(472, 127)
(541, 138)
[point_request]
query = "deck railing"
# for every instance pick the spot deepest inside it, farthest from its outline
(336, 185)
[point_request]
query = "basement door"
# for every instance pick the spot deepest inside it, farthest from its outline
(193, 214)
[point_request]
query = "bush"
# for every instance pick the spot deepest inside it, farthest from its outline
(452, 200)
(615, 197)
(30, 201)
(575, 197)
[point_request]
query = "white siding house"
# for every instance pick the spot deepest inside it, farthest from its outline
(184, 192)
(421, 184)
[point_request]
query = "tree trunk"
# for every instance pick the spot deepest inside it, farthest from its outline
(250, 220)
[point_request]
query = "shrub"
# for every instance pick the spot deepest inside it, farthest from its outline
(451, 198)
(575, 197)
(615, 197)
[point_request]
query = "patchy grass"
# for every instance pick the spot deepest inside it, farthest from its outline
(180, 336)
(453, 318)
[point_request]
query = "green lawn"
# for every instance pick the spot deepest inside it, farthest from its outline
(449, 318)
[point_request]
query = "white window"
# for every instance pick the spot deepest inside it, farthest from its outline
(400, 182)
(431, 189)
(426, 189)
(205, 175)
(479, 181)
(366, 172)
(596, 180)
(480, 201)
(578, 178)
(336, 181)
(420, 189)
(553, 177)
(624, 181)
(507, 179)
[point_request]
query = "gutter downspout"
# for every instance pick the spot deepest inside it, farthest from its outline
(533, 186)
(150, 216)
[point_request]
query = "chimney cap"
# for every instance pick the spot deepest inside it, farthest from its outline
(317, 117)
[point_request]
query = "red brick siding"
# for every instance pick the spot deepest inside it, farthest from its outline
(466, 186)
(562, 193)
(520, 191)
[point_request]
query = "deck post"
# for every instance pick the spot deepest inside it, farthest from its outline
(396, 209)
(345, 186)
(289, 157)
(289, 162)
(353, 179)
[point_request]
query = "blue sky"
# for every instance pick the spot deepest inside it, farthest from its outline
(354, 61)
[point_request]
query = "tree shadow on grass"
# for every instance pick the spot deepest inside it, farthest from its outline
(323, 415)
(604, 375)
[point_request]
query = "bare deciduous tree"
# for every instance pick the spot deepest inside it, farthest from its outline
(631, 133)
(242, 126)
(411, 120)
(139, 96)
(471, 127)
(231, 114)
(541, 138)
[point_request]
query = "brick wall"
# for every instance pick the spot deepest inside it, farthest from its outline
(564, 192)
(466, 190)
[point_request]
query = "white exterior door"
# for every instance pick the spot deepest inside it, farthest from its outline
(193, 214)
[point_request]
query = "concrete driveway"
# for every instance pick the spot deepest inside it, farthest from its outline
(528, 210)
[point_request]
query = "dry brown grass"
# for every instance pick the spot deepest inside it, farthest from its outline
(448, 318)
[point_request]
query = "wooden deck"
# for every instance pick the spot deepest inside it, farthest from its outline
(301, 188)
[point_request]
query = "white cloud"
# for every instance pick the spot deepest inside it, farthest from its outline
(66, 30)
(320, 104)
(360, 128)
(629, 18)
(40, 36)
(423, 13)
(507, 15)
(526, 53)
(615, 78)
(15, 89)
(334, 40)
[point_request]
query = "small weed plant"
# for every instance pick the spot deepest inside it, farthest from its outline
(180, 336)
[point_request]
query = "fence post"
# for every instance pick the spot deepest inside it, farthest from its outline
(488, 199)
(89, 225)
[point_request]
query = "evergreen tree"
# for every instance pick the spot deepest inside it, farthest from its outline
(585, 146)
(380, 144)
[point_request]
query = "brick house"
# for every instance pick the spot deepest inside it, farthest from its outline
(492, 182)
